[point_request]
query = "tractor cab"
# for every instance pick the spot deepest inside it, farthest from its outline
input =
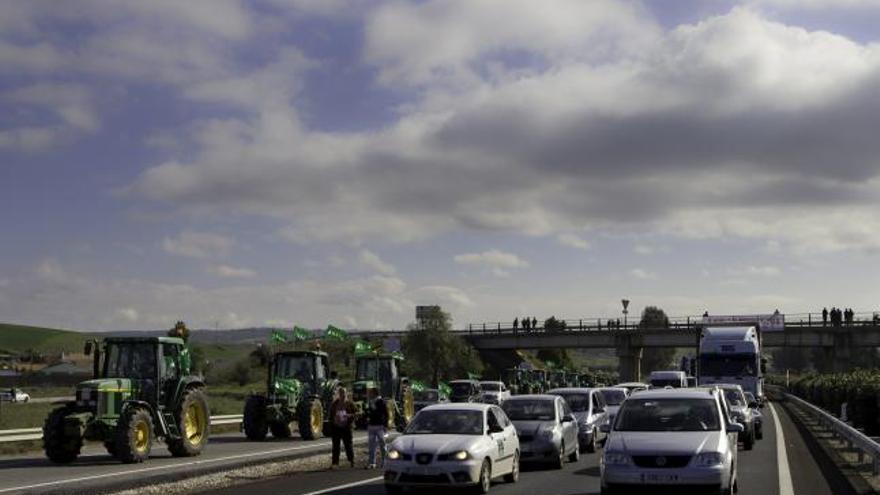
(539, 381)
(383, 371)
(295, 369)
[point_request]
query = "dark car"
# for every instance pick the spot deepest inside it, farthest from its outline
(465, 391)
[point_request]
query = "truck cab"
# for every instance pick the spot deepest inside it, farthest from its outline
(663, 379)
(731, 355)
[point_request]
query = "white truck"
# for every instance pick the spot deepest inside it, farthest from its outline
(662, 379)
(731, 354)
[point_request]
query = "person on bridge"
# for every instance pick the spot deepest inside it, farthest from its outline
(534, 322)
(342, 413)
(377, 420)
(515, 323)
(526, 325)
(824, 317)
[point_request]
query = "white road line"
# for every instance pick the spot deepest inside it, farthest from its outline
(785, 484)
(347, 485)
(167, 467)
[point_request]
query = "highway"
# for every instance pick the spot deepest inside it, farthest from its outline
(782, 463)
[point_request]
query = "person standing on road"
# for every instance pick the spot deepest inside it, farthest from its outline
(343, 413)
(377, 420)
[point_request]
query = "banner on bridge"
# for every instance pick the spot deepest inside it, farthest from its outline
(766, 323)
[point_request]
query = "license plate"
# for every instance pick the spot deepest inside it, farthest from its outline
(423, 471)
(659, 478)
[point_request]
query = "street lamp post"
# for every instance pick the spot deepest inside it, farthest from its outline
(625, 303)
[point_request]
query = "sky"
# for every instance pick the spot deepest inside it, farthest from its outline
(241, 163)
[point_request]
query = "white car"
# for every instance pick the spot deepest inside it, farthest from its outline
(494, 392)
(454, 445)
(672, 439)
(613, 397)
(14, 395)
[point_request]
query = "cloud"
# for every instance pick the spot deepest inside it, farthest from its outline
(227, 271)
(493, 258)
(373, 262)
(642, 274)
(643, 249)
(198, 245)
(71, 105)
(128, 314)
(763, 271)
(572, 240)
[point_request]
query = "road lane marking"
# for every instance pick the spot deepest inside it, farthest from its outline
(785, 484)
(347, 485)
(168, 467)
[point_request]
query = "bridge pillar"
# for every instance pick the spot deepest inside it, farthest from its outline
(841, 353)
(629, 359)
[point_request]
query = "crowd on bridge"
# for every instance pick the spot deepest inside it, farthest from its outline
(527, 323)
(839, 317)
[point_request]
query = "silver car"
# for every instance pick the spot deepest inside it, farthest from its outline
(453, 445)
(613, 397)
(669, 439)
(427, 397)
(546, 427)
(741, 413)
(588, 408)
(755, 406)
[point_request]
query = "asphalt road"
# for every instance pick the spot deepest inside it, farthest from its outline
(95, 468)
(761, 471)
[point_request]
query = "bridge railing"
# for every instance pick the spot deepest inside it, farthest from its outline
(855, 440)
(30, 434)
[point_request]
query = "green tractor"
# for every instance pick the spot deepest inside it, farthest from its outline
(300, 391)
(383, 372)
(518, 381)
(539, 381)
(142, 391)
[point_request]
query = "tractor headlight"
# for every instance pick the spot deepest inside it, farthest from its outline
(394, 455)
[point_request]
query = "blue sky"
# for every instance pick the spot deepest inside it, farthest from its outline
(277, 162)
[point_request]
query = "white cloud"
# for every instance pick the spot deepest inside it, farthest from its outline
(642, 274)
(572, 240)
(374, 262)
(130, 315)
(643, 249)
(493, 258)
(227, 271)
(763, 271)
(198, 245)
(71, 105)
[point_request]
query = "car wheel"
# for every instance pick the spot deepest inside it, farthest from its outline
(485, 481)
(513, 477)
(759, 433)
(559, 463)
(575, 454)
(749, 442)
(591, 447)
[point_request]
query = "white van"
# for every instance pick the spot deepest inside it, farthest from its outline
(674, 379)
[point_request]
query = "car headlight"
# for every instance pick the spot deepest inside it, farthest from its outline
(617, 459)
(393, 455)
(707, 459)
(461, 455)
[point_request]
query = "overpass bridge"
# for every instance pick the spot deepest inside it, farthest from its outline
(839, 343)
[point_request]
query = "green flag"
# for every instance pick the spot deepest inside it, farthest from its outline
(473, 376)
(277, 336)
(362, 348)
(335, 333)
(444, 388)
(397, 355)
(300, 333)
(417, 386)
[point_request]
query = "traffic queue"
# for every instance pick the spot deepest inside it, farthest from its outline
(650, 437)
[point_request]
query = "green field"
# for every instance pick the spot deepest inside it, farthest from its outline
(20, 338)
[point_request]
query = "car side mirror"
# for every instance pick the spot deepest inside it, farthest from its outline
(735, 428)
(598, 410)
(496, 429)
(567, 418)
(605, 427)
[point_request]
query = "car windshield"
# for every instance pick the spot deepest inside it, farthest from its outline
(427, 396)
(577, 402)
(728, 365)
(530, 409)
(135, 360)
(446, 422)
(461, 388)
(734, 397)
(613, 397)
(299, 367)
(490, 387)
(668, 415)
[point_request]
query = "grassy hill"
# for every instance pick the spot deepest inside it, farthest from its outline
(19, 338)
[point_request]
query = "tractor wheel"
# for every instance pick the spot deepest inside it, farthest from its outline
(311, 419)
(255, 425)
(134, 435)
(409, 409)
(281, 430)
(60, 448)
(193, 423)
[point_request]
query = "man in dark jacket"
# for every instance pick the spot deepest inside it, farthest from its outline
(342, 416)
(377, 420)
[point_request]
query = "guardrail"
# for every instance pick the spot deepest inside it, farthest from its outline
(27, 434)
(854, 439)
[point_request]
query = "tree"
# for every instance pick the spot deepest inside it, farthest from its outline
(434, 354)
(552, 325)
(656, 358)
